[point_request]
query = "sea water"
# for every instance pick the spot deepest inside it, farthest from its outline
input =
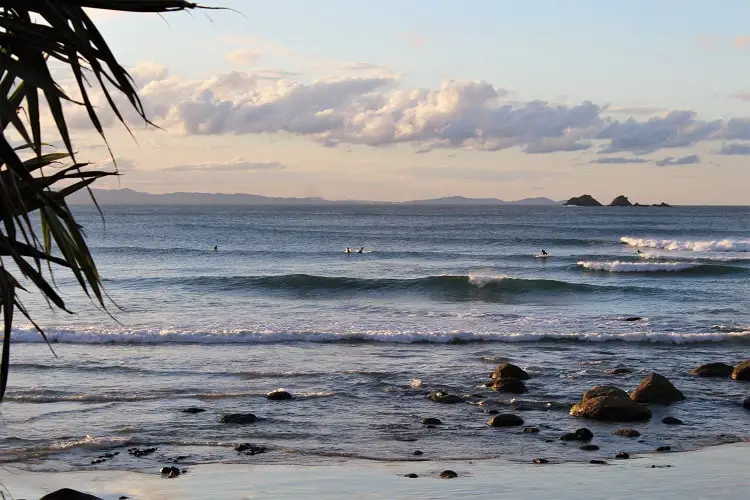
(438, 297)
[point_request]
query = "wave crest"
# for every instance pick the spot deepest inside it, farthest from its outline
(725, 245)
(659, 267)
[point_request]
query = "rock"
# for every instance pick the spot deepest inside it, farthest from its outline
(742, 371)
(622, 455)
(431, 421)
(589, 447)
(250, 449)
(598, 462)
(662, 205)
(509, 370)
(448, 474)
(656, 389)
(123, 497)
(170, 472)
(534, 430)
(411, 476)
(505, 420)
(141, 452)
(585, 200)
(510, 385)
(621, 201)
(165, 470)
(540, 461)
(193, 410)
(609, 403)
(418, 453)
(746, 403)
(279, 395)
(620, 371)
(631, 433)
(672, 421)
(722, 370)
(633, 318)
(582, 434)
(493, 412)
(661, 449)
(238, 418)
(68, 494)
(445, 398)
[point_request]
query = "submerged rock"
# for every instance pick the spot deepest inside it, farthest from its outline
(662, 449)
(445, 398)
(589, 447)
(448, 474)
(746, 403)
(505, 420)
(742, 371)
(68, 494)
(582, 434)
(509, 385)
(620, 371)
(250, 449)
(431, 421)
(598, 462)
(621, 455)
(631, 433)
(610, 403)
(411, 476)
(540, 461)
(656, 389)
(509, 370)
(238, 418)
(672, 421)
(193, 410)
(531, 430)
(279, 395)
(721, 370)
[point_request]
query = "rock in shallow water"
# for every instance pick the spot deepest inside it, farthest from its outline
(68, 494)
(448, 474)
(598, 462)
(510, 385)
(540, 461)
(193, 410)
(622, 455)
(431, 421)
(411, 476)
(509, 370)
(531, 430)
(620, 371)
(582, 434)
(611, 404)
(656, 389)
(631, 433)
(742, 371)
(445, 398)
(589, 447)
(672, 421)
(279, 395)
(238, 418)
(722, 370)
(505, 420)
(746, 403)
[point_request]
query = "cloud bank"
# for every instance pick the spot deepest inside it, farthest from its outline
(374, 110)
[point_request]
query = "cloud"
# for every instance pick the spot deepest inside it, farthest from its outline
(376, 110)
(742, 42)
(742, 96)
(235, 165)
(684, 160)
(616, 160)
(636, 110)
(243, 57)
(734, 148)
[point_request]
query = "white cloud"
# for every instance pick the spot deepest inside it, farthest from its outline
(618, 160)
(243, 57)
(234, 165)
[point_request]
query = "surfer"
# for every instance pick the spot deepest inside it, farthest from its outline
(638, 252)
(216, 248)
(361, 250)
(348, 250)
(543, 252)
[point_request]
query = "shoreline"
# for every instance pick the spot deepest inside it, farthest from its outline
(716, 472)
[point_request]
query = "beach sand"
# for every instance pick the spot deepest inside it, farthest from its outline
(716, 472)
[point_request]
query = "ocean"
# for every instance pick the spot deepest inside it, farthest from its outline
(438, 298)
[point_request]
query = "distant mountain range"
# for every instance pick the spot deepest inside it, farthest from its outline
(131, 197)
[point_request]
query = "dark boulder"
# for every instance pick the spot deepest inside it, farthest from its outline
(633, 318)
(250, 449)
(589, 447)
(68, 494)
(611, 404)
(672, 421)
(631, 433)
(585, 200)
(505, 420)
(621, 201)
(662, 204)
(719, 370)
(598, 462)
(582, 434)
(431, 421)
(448, 474)
(662, 449)
(411, 476)
(170, 472)
(621, 455)
(509, 370)
(656, 389)
(509, 385)
(742, 371)
(418, 453)
(531, 430)
(621, 370)
(445, 398)
(238, 418)
(279, 395)
(746, 403)
(193, 410)
(540, 461)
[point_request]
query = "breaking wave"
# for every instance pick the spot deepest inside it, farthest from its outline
(725, 245)
(659, 267)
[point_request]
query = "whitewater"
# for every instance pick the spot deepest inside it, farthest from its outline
(440, 295)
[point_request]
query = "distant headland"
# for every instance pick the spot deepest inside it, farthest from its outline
(587, 200)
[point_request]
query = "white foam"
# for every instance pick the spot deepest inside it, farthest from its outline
(397, 337)
(637, 267)
(725, 245)
(485, 279)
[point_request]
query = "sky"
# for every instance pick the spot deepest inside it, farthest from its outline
(393, 100)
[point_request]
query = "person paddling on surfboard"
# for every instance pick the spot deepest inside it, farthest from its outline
(361, 250)
(348, 250)
(543, 252)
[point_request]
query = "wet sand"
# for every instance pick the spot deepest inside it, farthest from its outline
(716, 472)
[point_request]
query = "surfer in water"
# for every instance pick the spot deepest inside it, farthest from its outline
(348, 250)
(638, 252)
(361, 250)
(543, 252)
(216, 248)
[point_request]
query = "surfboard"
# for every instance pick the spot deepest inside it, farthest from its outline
(540, 256)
